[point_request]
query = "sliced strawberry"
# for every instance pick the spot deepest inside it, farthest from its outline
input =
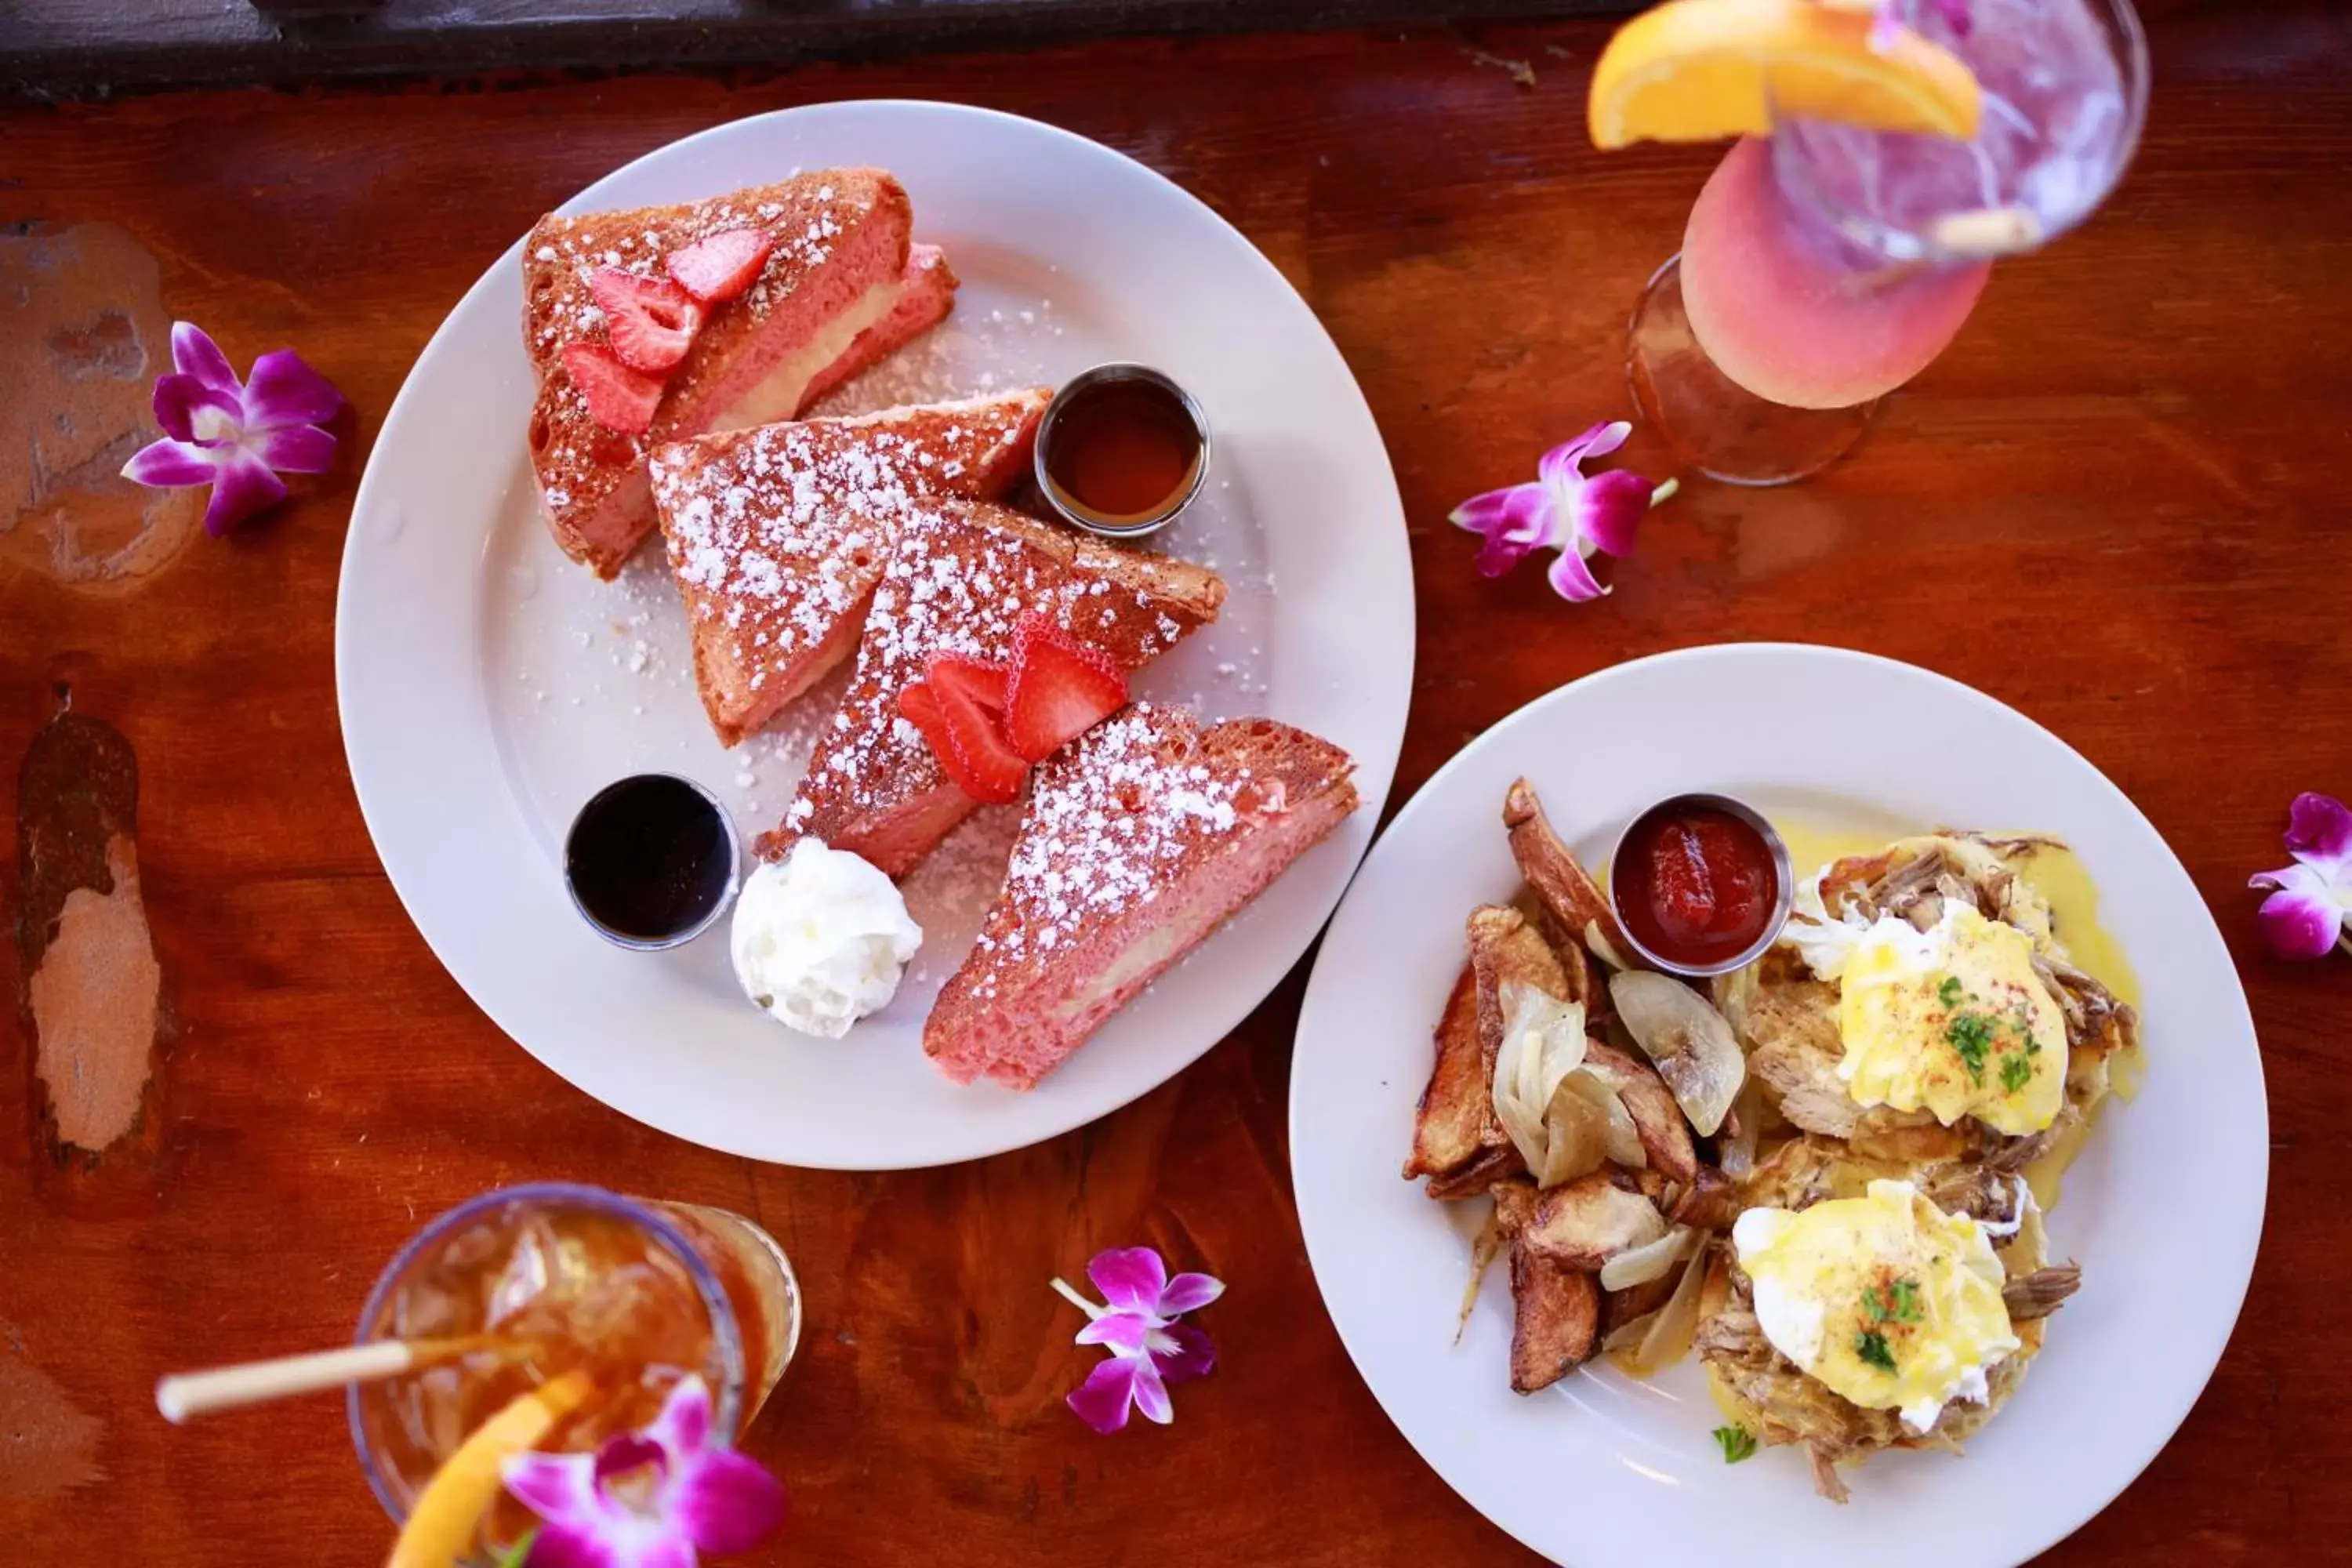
(920, 706)
(722, 266)
(652, 321)
(618, 398)
(964, 733)
(976, 678)
(977, 757)
(1061, 688)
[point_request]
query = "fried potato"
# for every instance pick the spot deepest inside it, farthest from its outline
(1505, 949)
(1710, 1202)
(1619, 1308)
(1455, 1107)
(1586, 1222)
(1555, 1320)
(1665, 1135)
(1560, 885)
(1479, 1176)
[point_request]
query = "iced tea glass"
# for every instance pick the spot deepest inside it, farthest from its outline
(551, 1278)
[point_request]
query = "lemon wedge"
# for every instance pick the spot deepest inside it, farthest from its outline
(440, 1528)
(1701, 70)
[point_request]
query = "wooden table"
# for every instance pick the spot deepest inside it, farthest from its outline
(2118, 503)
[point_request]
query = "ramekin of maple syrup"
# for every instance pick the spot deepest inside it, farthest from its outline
(1122, 449)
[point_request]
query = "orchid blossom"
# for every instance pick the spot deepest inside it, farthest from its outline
(235, 435)
(1137, 1321)
(650, 1498)
(2310, 905)
(1562, 509)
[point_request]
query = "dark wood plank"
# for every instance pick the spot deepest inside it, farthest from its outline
(81, 47)
(2118, 503)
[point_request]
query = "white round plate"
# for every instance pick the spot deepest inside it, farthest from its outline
(489, 687)
(1603, 1471)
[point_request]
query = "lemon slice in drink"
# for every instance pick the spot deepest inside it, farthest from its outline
(1700, 70)
(440, 1528)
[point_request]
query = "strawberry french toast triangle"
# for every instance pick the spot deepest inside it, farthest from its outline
(661, 324)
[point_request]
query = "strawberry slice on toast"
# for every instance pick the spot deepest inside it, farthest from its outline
(841, 284)
(777, 535)
(1139, 840)
(960, 577)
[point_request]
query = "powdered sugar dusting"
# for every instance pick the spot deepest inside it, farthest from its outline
(1108, 822)
(959, 580)
(776, 534)
(580, 462)
(586, 680)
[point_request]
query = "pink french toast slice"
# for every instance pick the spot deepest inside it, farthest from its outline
(844, 285)
(778, 535)
(960, 578)
(1142, 836)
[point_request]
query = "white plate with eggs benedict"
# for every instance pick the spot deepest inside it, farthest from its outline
(1879, 1268)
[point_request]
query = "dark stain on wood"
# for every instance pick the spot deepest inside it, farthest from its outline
(90, 1000)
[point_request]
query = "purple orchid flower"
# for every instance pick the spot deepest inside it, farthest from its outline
(1137, 1322)
(2310, 905)
(652, 1499)
(1563, 509)
(235, 435)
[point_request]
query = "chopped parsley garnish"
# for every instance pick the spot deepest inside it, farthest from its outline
(1738, 1443)
(1971, 1036)
(1898, 1301)
(2015, 1071)
(1870, 1346)
(1948, 992)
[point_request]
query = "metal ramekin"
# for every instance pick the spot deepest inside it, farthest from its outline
(660, 943)
(1065, 506)
(1781, 871)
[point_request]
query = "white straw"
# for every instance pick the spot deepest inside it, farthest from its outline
(225, 1388)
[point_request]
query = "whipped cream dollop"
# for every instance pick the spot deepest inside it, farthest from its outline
(821, 939)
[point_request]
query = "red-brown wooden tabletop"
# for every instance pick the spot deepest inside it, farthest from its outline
(2118, 503)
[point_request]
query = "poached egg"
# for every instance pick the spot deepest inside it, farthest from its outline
(1886, 1299)
(1953, 1020)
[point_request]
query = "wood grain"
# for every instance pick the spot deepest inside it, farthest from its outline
(2118, 503)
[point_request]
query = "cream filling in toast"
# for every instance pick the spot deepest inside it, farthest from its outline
(779, 392)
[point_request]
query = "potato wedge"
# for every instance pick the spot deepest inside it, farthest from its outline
(1568, 946)
(1710, 1202)
(1586, 1222)
(1480, 1175)
(1665, 1136)
(1619, 1308)
(1505, 949)
(1555, 1320)
(1456, 1105)
(1564, 888)
(1515, 1205)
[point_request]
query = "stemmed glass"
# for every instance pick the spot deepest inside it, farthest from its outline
(1825, 268)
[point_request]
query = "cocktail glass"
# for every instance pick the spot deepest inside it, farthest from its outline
(1825, 267)
(550, 1279)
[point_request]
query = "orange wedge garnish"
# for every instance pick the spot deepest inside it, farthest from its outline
(1701, 70)
(440, 1528)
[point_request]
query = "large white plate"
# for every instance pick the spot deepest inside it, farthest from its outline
(489, 687)
(2163, 1211)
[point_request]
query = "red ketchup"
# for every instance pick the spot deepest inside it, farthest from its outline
(1693, 884)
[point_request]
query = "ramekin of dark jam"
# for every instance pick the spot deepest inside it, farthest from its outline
(1701, 884)
(652, 861)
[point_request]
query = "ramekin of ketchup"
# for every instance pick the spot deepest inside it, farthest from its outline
(1701, 884)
